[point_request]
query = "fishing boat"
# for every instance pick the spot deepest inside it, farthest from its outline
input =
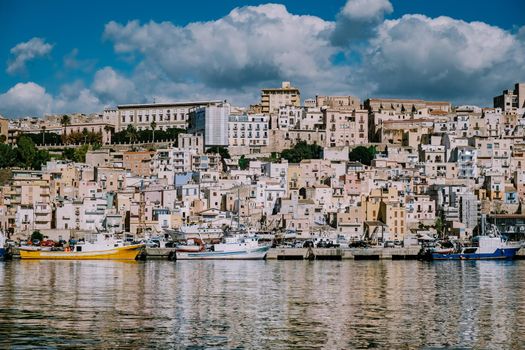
(101, 249)
(232, 248)
(3, 249)
(191, 246)
(195, 231)
(482, 248)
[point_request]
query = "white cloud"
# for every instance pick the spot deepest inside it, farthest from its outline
(250, 47)
(442, 58)
(357, 21)
(71, 61)
(31, 99)
(361, 9)
(112, 87)
(25, 99)
(359, 53)
(25, 52)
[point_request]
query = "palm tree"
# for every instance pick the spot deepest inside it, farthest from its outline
(43, 135)
(131, 133)
(108, 130)
(85, 133)
(153, 127)
(65, 121)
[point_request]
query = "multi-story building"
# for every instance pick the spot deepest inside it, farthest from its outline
(139, 162)
(511, 100)
(273, 98)
(351, 102)
(165, 115)
(211, 122)
(247, 134)
(345, 127)
(404, 105)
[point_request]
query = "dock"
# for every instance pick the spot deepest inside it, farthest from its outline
(408, 253)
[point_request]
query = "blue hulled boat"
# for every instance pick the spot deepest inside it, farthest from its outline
(482, 248)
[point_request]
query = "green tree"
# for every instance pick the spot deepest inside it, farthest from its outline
(37, 235)
(223, 151)
(26, 151)
(243, 163)
(43, 135)
(85, 134)
(5, 176)
(80, 154)
(41, 157)
(438, 225)
(131, 133)
(363, 154)
(108, 129)
(7, 156)
(69, 153)
(153, 127)
(65, 121)
(3, 139)
(301, 151)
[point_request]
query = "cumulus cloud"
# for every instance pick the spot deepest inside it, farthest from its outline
(250, 47)
(71, 61)
(31, 99)
(442, 58)
(25, 99)
(366, 9)
(25, 52)
(358, 20)
(359, 53)
(112, 87)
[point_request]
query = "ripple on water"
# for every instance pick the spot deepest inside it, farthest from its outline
(257, 304)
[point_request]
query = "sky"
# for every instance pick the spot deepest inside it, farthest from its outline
(61, 56)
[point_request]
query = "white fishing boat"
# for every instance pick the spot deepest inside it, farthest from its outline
(232, 248)
(196, 232)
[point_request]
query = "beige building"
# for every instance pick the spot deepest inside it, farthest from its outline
(510, 100)
(345, 127)
(338, 101)
(165, 115)
(4, 127)
(404, 105)
(139, 163)
(273, 98)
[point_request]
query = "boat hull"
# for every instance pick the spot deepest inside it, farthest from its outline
(120, 253)
(3, 254)
(248, 254)
(498, 254)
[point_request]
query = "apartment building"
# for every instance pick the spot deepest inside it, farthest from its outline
(211, 122)
(273, 98)
(248, 134)
(345, 127)
(165, 115)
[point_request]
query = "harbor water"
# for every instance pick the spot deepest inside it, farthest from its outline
(263, 304)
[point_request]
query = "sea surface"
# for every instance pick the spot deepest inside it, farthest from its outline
(262, 305)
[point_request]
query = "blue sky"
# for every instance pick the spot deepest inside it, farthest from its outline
(82, 56)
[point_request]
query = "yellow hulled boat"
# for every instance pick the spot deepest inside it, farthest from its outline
(99, 250)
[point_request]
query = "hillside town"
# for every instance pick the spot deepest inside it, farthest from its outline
(380, 169)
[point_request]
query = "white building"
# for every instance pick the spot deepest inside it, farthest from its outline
(248, 132)
(211, 122)
(165, 115)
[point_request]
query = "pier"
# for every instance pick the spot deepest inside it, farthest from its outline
(408, 253)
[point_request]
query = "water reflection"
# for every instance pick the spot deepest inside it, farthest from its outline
(257, 304)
